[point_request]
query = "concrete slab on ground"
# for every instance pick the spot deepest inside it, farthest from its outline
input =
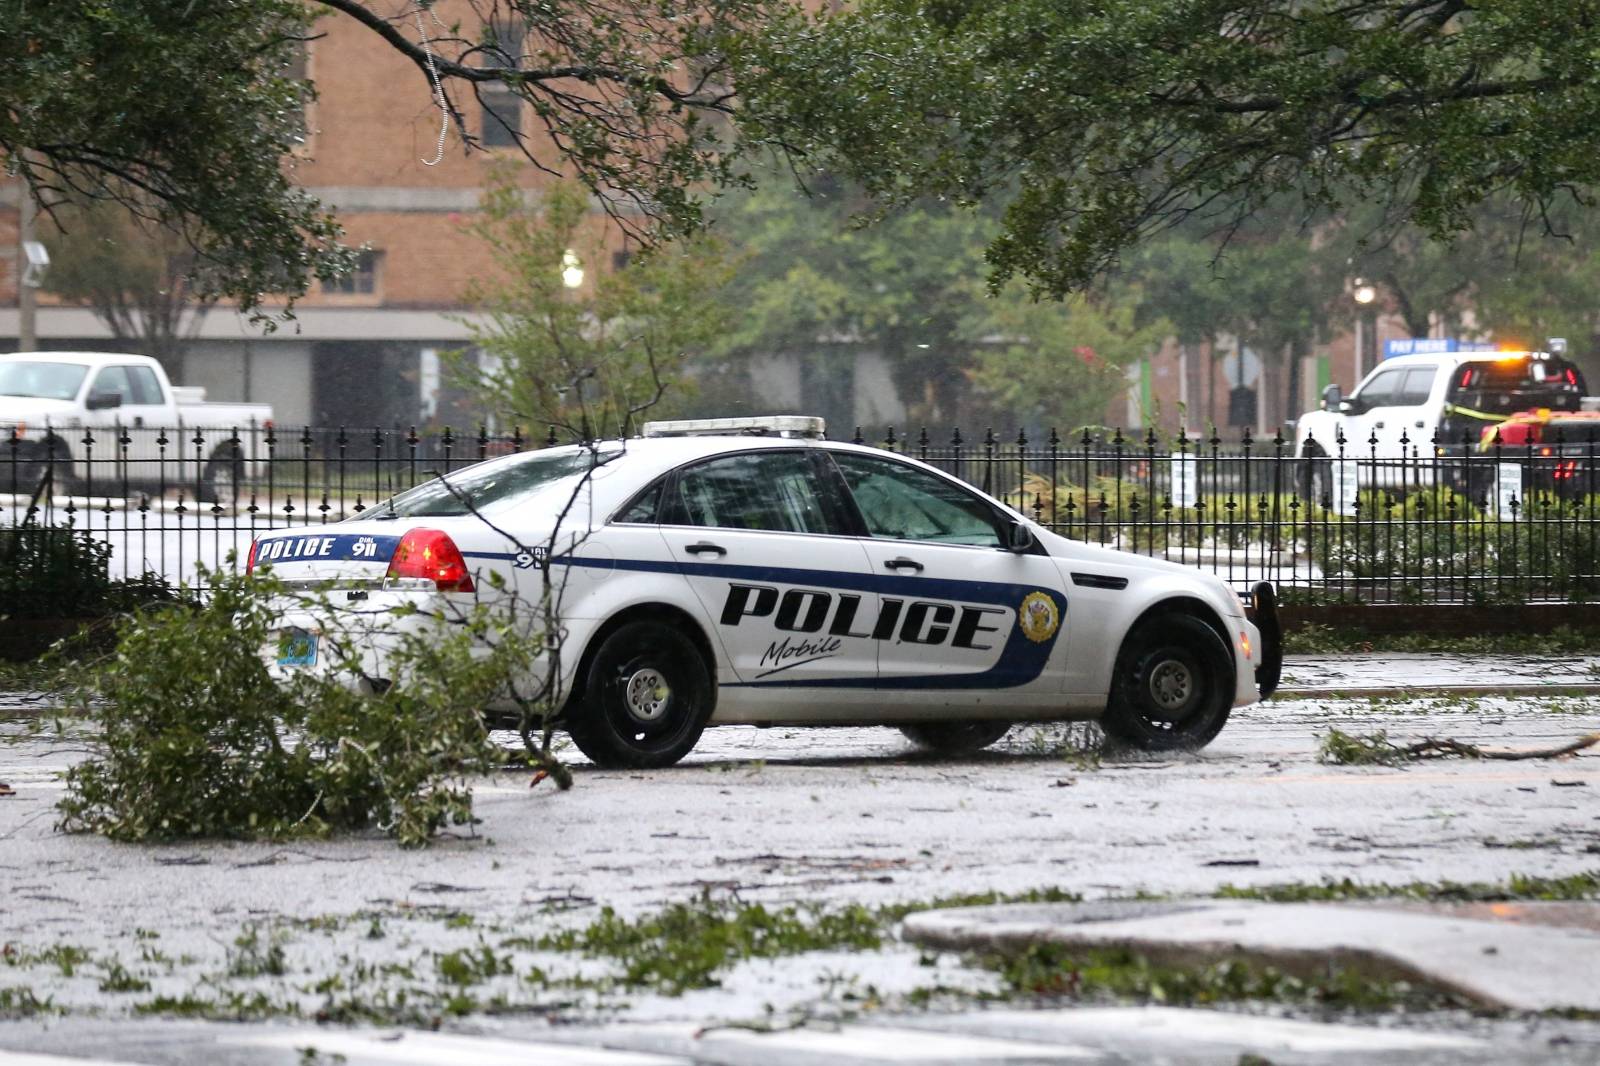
(1499, 964)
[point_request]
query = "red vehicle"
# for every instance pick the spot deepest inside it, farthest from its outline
(1556, 448)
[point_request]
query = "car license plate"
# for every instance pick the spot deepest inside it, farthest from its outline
(297, 647)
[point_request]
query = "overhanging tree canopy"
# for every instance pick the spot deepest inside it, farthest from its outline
(1096, 123)
(1099, 122)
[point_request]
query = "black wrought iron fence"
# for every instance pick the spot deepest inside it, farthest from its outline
(1413, 522)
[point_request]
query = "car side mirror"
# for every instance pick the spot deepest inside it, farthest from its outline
(100, 401)
(1331, 398)
(1019, 538)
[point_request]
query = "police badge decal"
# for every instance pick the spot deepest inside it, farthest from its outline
(1038, 617)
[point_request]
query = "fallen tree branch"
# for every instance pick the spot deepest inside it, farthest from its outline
(1376, 749)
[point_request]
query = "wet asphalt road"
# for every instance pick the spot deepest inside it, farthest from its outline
(793, 815)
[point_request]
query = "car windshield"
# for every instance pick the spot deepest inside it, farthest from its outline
(43, 381)
(488, 484)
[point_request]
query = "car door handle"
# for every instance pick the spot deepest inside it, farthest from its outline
(1378, 424)
(1419, 424)
(706, 548)
(902, 563)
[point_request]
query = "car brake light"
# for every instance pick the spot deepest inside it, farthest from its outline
(430, 555)
(1466, 378)
(1571, 375)
(250, 561)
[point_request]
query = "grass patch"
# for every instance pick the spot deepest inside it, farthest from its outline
(685, 945)
(22, 1002)
(894, 912)
(1117, 975)
(1518, 887)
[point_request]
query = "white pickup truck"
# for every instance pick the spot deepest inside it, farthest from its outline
(146, 433)
(1410, 404)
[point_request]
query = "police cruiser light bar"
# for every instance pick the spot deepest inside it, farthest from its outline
(764, 426)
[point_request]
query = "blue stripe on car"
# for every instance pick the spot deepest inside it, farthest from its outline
(1021, 660)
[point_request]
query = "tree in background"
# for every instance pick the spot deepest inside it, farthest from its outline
(136, 277)
(586, 358)
(1095, 126)
(1060, 364)
(817, 286)
(185, 114)
(1273, 289)
(1502, 277)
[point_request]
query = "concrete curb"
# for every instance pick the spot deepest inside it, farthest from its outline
(1494, 964)
(1437, 691)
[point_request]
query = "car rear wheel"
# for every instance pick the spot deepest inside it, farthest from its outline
(955, 738)
(221, 480)
(1316, 476)
(1172, 687)
(47, 463)
(647, 698)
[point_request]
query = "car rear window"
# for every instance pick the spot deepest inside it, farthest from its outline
(1502, 386)
(494, 482)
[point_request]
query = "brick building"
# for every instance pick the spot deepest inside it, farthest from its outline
(364, 351)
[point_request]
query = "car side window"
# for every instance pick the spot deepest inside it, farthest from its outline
(643, 508)
(113, 381)
(777, 491)
(901, 502)
(146, 389)
(1417, 388)
(1381, 390)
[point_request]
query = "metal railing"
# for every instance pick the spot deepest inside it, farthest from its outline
(1412, 522)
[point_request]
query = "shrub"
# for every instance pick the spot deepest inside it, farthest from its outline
(197, 738)
(53, 572)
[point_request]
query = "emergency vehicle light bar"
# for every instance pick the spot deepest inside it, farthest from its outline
(764, 426)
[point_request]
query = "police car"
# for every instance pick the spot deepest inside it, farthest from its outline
(749, 571)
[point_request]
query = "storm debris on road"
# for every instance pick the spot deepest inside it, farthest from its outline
(1376, 749)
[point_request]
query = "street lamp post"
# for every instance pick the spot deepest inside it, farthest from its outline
(34, 261)
(1364, 293)
(571, 269)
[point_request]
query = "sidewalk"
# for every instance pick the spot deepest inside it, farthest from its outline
(1438, 674)
(1521, 957)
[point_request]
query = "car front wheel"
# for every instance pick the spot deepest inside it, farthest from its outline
(646, 700)
(1172, 687)
(955, 738)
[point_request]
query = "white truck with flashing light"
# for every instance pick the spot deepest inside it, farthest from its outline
(1424, 407)
(103, 422)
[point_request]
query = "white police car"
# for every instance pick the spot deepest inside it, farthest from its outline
(748, 571)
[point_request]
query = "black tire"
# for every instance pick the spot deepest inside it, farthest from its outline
(1172, 687)
(955, 738)
(1316, 478)
(221, 480)
(646, 699)
(51, 456)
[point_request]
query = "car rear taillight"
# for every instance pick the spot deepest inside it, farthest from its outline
(250, 561)
(430, 555)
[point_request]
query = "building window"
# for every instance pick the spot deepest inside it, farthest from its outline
(362, 281)
(502, 108)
